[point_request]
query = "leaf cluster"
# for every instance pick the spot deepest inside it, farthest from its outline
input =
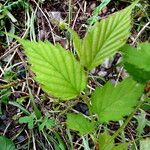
(61, 75)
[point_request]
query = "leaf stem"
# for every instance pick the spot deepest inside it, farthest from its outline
(70, 12)
(125, 124)
(11, 84)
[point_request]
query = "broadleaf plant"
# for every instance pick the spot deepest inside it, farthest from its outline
(137, 61)
(142, 122)
(111, 103)
(6, 144)
(79, 123)
(56, 69)
(145, 144)
(29, 120)
(61, 75)
(105, 144)
(104, 38)
(103, 141)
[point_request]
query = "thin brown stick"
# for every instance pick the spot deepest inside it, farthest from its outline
(141, 31)
(12, 84)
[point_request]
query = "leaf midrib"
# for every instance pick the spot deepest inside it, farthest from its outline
(69, 82)
(99, 49)
(114, 102)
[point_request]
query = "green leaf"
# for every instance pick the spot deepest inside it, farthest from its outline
(4, 95)
(6, 144)
(95, 13)
(9, 75)
(104, 38)
(100, 7)
(14, 103)
(111, 103)
(106, 143)
(58, 72)
(142, 122)
(103, 141)
(29, 120)
(60, 145)
(79, 123)
(122, 146)
(46, 122)
(137, 61)
(145, 144)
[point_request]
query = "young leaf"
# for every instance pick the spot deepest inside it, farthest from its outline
(79, 123)
(103, 141)
(6, 144)
(142, 122)
(4, 95)
(104, 38)
(112, 103)
(106, 144)
(46, 122)
(60, 145)
(58, 72)
(137, 61)
(145, 144)
(95, 13)
(122, 146)
(29, 120)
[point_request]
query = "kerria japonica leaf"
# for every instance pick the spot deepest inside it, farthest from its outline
(112, 103)
(79, 123)
(106, 144)
(6, 144)
(56, 69)
(104, 38)
(137, 61)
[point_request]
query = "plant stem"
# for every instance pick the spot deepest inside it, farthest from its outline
(68, 108)
(11, 84)
(127, 120)
(70, 13)
(13, 103)
(124, 125)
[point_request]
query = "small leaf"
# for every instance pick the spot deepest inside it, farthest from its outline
(48, 123)
(29, 120)
(142, 122)
(79, 123)
(95, 13)
(106, 143)
(56, 69)
(9, 75)
(112, 103)
(122, 146)
(104, 38)
(77, 42)
(60, 145)
(4, 95)
(6, 144)
(145, 144)
(137, 61)
(103, 141)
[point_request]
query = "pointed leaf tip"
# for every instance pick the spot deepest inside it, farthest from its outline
(79, 123)
(104, 39)
(113, 103)
(56, 69)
